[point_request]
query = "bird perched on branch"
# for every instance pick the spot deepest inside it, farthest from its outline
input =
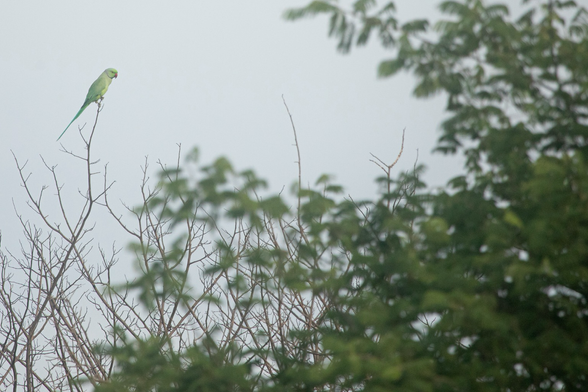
(96, 92)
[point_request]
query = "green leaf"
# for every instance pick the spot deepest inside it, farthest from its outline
(312, 9)
(390, 67)
(274, 206)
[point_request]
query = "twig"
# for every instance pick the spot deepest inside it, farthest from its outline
(300, 227)
(388, 168)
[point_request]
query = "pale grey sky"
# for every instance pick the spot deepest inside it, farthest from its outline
(206, 74)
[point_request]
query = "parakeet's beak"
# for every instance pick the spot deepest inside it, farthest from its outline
(116, 75)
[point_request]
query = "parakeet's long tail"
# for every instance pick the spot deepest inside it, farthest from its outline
(74, 119)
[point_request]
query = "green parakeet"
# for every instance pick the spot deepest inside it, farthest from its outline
(96, 92)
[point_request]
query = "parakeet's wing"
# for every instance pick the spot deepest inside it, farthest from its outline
(98, 88)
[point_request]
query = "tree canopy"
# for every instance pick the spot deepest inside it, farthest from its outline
(480, 286)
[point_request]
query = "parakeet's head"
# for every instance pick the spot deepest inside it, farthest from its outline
(112, 73)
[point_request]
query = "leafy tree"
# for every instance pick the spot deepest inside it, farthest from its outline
(495, 266)
(481, 286)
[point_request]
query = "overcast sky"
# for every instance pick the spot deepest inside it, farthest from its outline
(201, 73)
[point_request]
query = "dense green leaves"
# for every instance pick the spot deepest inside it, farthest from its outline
(502, 260)
(493, 68)
(148, 365)
(481, 286)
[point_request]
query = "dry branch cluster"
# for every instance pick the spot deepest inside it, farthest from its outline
(60, 297)
(200, 273)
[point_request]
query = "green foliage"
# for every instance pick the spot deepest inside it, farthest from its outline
(500, 261)
(500, 74)
(342, 24)
(481, 286)
(148, 365)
